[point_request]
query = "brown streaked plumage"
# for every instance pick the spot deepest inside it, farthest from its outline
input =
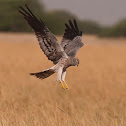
(62, 55)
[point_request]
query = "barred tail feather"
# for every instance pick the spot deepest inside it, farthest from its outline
(43, 74)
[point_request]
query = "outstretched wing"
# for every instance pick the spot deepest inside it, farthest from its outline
(72, 38)
(47, 41)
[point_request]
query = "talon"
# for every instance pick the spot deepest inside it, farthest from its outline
(62, 84)
(66, 85)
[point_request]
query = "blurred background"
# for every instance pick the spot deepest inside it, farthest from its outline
(97, 88)
(100, 17)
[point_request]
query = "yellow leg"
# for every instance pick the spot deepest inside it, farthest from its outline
(66, 85)
(62, 84)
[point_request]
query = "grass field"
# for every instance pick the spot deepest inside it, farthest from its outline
(97, 94)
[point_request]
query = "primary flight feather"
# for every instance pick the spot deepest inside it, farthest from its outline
(62, 55)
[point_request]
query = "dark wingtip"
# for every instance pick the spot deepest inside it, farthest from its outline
(21, 7)
(81, 33)
(70, 21)
(71, 24)
(26, 5)
(75, 23)
(22, 13)
(31, 73)
(65, 24)
(75, 20)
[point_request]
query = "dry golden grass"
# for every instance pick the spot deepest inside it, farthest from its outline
(97, 95)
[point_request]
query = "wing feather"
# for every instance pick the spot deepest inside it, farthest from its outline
(72, 38)
(47, 41)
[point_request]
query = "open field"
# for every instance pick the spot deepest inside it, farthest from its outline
(97, 94)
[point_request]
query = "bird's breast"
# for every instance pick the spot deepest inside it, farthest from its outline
(65, 62)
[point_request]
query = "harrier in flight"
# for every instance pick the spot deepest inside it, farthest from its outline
(62, 55)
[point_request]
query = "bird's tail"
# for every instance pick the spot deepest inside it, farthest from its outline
(44, 74)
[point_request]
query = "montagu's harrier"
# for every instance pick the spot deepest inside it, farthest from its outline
(62, 55)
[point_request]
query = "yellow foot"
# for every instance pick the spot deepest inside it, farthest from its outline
(62, 84)
(66, 85)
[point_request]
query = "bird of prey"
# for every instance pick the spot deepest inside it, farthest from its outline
(62, 55)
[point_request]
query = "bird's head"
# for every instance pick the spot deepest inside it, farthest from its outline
(76, 61)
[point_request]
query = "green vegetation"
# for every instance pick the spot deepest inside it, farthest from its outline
(117, 30)
(12, 20)
(90, 27)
